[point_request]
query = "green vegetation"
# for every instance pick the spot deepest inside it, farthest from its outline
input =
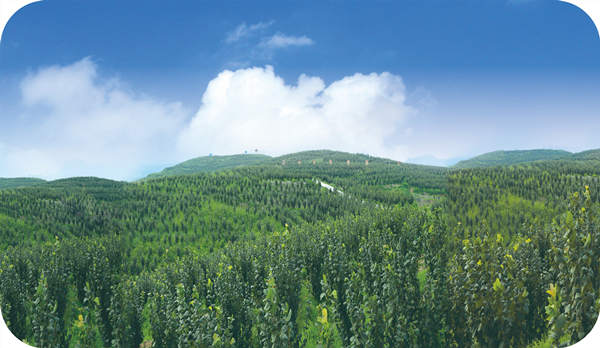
(210, 164)
(507, 158)
(330, 166)
(396, 255)
(500, 158)
(588, 155)
(7, 183)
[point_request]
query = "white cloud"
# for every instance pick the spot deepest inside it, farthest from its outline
(243, 30)
(281, 41)
(27, 162)
(255, 108)
(247, 45)
(85, 126)
(76, 123)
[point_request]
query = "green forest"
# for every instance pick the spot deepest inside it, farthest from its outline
(312, 249)
(18, 182)
(499, 158)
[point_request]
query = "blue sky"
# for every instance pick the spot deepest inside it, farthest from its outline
(118, 88)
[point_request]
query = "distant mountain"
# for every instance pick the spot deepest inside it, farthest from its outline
(216, 163)
(98, 188)
(323, 156)
(210, 164)
(587, 155)
(334, 167)
(318, 157)
(6, 183)
(499, 158)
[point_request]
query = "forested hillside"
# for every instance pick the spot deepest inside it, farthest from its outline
(587, 155)
(264, 256)
(6, 183)
(499, 158)
(326, 164)
(210, 164)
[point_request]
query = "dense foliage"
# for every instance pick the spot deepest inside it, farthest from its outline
(265, 256)
(210, 164)
(499, 158)
(504, 158)
(340, 167)
(6, 183)
(506, 198)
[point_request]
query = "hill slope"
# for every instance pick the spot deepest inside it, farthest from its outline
(260, 253)
(210, 164)
(588, 155)
(499, 158)
(323, 156)
(337, 167)
(6, 183)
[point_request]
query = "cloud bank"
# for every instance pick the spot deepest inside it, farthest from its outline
(255, 108)
(75, 123)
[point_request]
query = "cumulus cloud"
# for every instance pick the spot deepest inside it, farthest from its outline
(243, 30)
(82, 125)
(74, 122)
(281, 41)
(255, 108)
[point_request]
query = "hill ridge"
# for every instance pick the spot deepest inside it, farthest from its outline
(513, 157)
